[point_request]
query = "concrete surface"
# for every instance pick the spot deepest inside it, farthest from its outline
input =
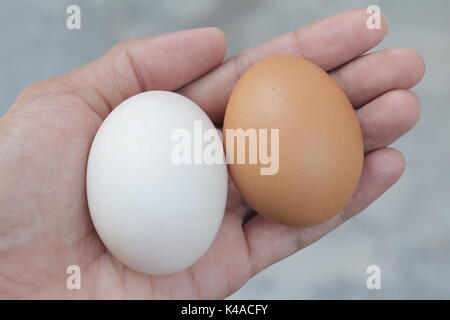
(406, 232)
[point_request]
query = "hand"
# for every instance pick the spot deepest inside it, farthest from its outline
(45, 138)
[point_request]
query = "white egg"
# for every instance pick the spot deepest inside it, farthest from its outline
(154, 214)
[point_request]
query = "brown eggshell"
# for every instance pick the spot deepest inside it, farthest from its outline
(320, 141)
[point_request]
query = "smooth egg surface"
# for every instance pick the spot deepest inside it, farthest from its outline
(155, 215)
(320, 147)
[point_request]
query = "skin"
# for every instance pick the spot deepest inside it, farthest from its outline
(46, 134)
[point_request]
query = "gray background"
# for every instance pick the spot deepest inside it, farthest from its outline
(406, 232)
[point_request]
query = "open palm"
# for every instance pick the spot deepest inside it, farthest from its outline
(45, 138)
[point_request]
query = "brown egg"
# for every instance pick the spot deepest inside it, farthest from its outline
(320, 148)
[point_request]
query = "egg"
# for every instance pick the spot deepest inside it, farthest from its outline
(156, 214)
(301, 145)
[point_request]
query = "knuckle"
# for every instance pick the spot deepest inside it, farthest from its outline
(241, 62)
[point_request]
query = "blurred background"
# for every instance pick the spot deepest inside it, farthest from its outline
(406, 232)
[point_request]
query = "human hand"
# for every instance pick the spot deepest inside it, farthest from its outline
(45, 138)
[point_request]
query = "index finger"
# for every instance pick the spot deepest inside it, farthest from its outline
(328, 43)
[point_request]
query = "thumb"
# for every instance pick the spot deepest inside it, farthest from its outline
(163, 62)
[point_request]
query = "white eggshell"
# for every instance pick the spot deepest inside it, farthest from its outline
(154, 215)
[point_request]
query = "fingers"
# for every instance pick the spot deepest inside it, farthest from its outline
(269, 242)
(387, 118)
(164, 62)
(371, 75)
(328, 43)
(382, 168)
